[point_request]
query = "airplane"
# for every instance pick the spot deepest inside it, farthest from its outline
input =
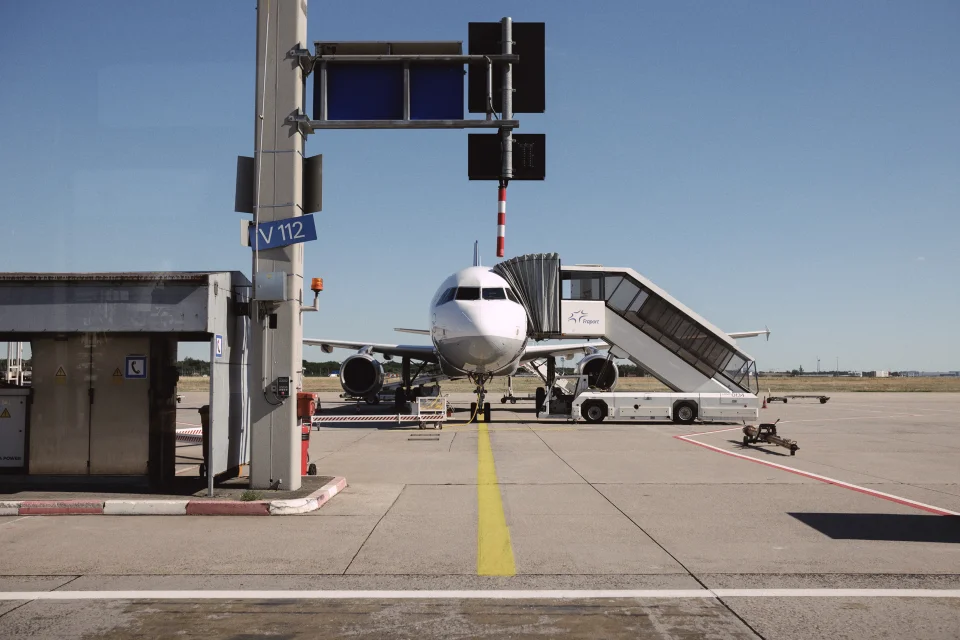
(478, 331)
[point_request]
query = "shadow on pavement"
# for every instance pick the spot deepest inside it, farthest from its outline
(753, 447)
(884, 526)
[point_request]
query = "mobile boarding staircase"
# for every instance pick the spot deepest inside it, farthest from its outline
(641, 322)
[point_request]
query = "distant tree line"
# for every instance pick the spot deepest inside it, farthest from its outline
(27, 363)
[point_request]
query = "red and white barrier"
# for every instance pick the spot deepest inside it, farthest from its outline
(193, 435)
(501, 220)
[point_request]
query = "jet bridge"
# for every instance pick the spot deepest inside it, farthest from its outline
(640, 321)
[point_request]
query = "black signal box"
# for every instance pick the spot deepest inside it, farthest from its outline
(529, 85)
(529, 156)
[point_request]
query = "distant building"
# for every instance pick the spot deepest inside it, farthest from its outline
(876, 374)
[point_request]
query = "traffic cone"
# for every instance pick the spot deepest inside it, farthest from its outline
(764, 402)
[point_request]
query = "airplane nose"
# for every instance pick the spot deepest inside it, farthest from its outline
(487, 348)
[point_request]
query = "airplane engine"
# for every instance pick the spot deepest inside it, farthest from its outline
(361, 375)
(591, 367)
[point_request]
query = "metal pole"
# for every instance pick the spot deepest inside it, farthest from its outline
(210, 413)
(506, 135)
(406, 90)
(489, 89)
(323, 90)
(507, 99)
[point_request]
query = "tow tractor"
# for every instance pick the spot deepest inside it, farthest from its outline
(594, 406)
(768, 433)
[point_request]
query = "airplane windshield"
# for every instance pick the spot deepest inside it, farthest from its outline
(468, 293)
(494, 294)
(447, 296)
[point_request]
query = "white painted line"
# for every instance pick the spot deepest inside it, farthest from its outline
(191, 468)
(484, 594)
(840, 483)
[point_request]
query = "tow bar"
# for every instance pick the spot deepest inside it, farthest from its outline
(768, 433)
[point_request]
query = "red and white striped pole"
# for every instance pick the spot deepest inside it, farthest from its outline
(501, 219)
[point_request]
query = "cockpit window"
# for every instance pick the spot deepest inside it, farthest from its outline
(512, 296)
(494, 294)
(468, 293)
(447, 296)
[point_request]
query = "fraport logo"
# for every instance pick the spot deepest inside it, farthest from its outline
(580, 317)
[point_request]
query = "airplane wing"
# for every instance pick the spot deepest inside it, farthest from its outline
(541, 351)
(425, 353)
(422, 332)
(750, 334)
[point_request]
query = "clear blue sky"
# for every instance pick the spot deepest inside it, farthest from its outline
(795, 165)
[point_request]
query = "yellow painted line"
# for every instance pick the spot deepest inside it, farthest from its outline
(494, 551)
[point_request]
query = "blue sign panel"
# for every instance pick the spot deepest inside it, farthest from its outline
(436, 92)
(365, 92)
(136, 368)
(280, 233)
(375, 92)
(218, 346)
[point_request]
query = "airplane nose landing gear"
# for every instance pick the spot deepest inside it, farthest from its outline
(480, 381)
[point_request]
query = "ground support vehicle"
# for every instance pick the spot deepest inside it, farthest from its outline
(767, 433)
(594, 406)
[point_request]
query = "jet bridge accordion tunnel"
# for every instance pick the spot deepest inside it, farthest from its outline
(102, 403)
(624, 309)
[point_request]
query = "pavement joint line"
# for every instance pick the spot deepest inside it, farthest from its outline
(73, 579)
(475, 594)
(828, 420)
(891, 407)
(839, 483)
(494, 549)
(374, 528)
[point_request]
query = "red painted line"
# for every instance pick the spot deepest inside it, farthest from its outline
(837, 483)
(227, 508)
(703, 433)
(60, 507)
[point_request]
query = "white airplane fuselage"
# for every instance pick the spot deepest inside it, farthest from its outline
(476, 324)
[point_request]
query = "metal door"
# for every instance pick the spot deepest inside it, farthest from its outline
(13, 418)
(60, 414)
(120, 414)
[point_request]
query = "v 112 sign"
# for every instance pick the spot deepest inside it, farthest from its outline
(280, 233)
